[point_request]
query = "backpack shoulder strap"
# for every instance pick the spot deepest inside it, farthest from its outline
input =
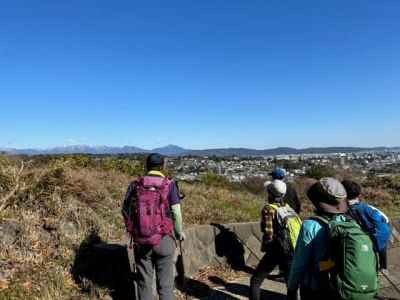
(290, 210)
(355, 213)
(168, 181)
(321, 220)
(326, 264)
(138, 181)
(165, 190)
(274, 206)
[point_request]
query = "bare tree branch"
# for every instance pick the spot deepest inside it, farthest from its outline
(4, 202)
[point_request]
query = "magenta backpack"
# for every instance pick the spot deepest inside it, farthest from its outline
(150, 219)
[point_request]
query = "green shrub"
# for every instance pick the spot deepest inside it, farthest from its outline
(320, 171)
(212, 179)
(254, 185)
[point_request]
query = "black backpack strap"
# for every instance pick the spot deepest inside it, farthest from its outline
(325, 265)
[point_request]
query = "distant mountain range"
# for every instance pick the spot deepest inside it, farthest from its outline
(173, 150)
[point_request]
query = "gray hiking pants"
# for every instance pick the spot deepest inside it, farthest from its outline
(161, 259)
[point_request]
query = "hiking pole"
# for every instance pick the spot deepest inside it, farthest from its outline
(132, 264)
(239, 239)
(391, 281)
(395, 234)
(183, 270)
(248, 248)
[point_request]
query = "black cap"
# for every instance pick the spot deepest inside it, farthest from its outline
(154, 161)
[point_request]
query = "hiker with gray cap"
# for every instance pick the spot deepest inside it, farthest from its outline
(334, 257)
(280, 225)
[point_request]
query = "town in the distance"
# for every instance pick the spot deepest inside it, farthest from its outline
(239, 168)
(239, 164)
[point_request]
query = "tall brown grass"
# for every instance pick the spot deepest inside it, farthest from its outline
(48, 207)
(55, 205)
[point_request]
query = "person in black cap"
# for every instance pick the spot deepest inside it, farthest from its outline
(155, 252)
(291, 196)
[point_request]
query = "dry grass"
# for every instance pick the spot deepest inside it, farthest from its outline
(205, 204)
(48, 209)
(52, 208)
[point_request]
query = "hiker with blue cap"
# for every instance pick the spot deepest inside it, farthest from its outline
(280, 226)
(291, 196)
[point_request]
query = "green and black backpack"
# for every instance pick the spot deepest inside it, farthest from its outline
(352, 261)
(289, 225)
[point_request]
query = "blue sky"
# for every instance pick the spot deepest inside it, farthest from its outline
(200, 74)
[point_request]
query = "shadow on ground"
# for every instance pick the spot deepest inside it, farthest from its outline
(104, 265)
(243, 290)
(200, 290)
(228, 245)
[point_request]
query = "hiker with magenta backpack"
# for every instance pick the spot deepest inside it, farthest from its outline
(334, 258)
(280, 225)
(152, 214)
(371, 219)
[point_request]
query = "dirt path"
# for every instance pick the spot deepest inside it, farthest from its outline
(238, 288)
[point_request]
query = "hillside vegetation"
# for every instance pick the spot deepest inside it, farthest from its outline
(50, 205)
(47, 208)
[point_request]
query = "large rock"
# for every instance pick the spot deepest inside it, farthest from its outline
(68, 228)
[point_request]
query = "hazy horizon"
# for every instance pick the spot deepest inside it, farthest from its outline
(188, 148)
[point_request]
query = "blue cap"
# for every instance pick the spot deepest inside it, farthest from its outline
(278, 173)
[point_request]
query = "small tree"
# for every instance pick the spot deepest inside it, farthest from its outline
(254, 185)
(320, 171)
(212, 179)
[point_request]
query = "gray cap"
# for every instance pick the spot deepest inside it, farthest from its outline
(329, 195)
(333, 187)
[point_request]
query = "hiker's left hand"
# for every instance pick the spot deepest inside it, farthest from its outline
(181, 237)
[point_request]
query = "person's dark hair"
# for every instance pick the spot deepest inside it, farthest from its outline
(353, 189)
(317, 193)
(154, 161)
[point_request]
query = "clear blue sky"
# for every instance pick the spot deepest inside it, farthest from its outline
(200, 73)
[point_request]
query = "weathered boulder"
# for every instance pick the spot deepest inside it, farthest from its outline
(68, 228)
